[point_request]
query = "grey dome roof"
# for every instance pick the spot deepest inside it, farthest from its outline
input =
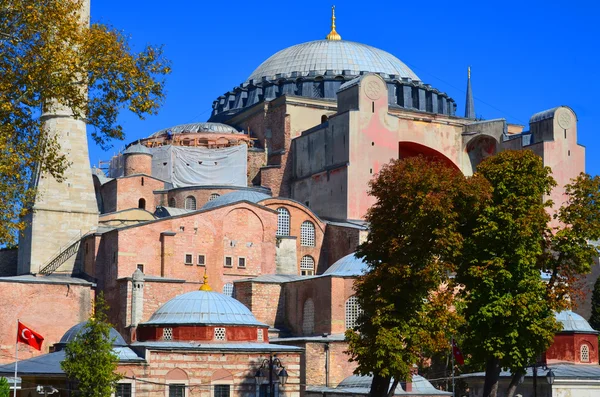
(420, 385)
(349, 265)
(216, 128)
(234, 197)
(203, 307)
(137, 148)
(337, 56)
(573, 322)
(74, 330)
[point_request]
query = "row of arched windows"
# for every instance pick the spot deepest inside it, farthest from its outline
(307, 229)
(353, 311)
(190, 201)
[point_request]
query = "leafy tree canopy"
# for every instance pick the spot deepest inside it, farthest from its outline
(4, 387)
(49, 55)
(595, 317)
(89, 358)
(416, 231)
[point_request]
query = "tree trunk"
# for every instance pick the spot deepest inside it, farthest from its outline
(379, 386)
(514, 382)
(393, 388)
(492, 374)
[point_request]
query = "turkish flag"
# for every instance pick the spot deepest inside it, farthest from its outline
(29, 337)
(457, 354)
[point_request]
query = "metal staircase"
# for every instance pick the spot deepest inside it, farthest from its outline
(62, 256)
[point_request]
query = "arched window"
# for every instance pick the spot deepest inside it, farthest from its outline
(283, 222)
(307, 234)
(190, 203)
(353, 310)
(308, 317)
(214, 196)
(323, 118)
(584, 353)
(307, 266)
(172, 202)
(142, 203)
(228, 289)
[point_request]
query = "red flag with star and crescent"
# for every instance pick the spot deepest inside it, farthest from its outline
(457, 353)
(29, 337)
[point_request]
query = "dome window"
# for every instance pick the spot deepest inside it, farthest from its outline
(259, 335)
(190, 203)
(219, 333)
(167, 334)
(172, 202)
(584, 353)
(214, 196)
(307, 234)
(228, 289)
(353, 311)
(283, 222)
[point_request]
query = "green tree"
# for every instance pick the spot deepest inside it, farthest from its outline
(4, 387)
(49, 55)
(508, 308)
(89, 358)
(416, 230)
(595, 317)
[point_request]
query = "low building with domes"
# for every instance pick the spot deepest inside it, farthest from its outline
(267, 198)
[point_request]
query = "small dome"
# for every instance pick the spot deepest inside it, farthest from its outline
(573, 322)
(74, 330)
(321, 56)
(234, 197)
(349, 265)
(203, 308)
(137, 148)
(215, 128)
(420, 385)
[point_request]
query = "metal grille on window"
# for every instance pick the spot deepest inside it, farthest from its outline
(176, 390)
(283, 222)
(219, 333)
(222, 390)
(188, 259)
(585, 353)
(259, 335)
(353, 310)
(228, 289)
(307, 266)
(167, 333)
(190, 203)
(308, 318)
(307, 234)
(123, 390)
(172, 202)
(214, 196)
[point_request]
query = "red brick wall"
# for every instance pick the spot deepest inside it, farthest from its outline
(566, 348)
(201, 195)
(256, 159)
(50, 309)
(138, 164)
(124, 193)
(338, 242)
(296, 294)
(203, 369)
(204, 333)
(265, 300)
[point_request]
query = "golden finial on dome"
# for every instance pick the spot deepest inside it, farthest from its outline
(205, 286)
(333, 35)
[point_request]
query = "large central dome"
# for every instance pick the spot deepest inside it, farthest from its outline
(322, 55)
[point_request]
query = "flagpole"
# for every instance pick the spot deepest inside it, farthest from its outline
(452, 351)
(17, 360)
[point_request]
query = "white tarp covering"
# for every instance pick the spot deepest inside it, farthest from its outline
(191, 166)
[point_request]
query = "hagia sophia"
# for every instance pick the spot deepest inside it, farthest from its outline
(220, 244)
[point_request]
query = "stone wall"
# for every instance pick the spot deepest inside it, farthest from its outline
(8, 262)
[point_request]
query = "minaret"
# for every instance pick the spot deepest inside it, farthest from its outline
(333, 35)
(469, 104)
(62, 211)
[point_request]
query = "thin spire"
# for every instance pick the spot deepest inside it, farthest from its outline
(205, 286)
(333, 35)
(469, 103)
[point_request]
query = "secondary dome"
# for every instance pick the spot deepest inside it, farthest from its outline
(203, 308)
(234, 197)
(74, 331)
(215, 128)
(573, 322)
(349, 265)
(321, 56)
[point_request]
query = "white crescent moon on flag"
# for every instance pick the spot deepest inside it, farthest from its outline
(25, 336)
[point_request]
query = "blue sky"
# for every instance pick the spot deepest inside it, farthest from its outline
(526, 56)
